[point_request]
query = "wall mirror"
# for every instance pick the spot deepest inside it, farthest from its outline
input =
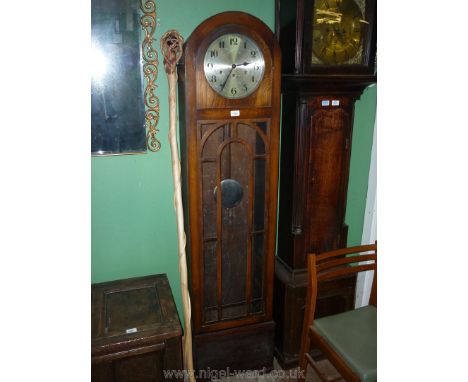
(123, 72)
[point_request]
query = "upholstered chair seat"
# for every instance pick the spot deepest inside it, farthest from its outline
(353, 335)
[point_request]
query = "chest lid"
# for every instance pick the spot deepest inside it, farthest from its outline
(132, 312)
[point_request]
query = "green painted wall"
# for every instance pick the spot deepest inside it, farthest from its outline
(133, 219)
(363, 130)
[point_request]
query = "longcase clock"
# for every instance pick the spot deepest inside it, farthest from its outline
(328, 52)
(230, 101)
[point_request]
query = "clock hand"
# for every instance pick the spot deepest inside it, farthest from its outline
(227, 77)
(245, 63)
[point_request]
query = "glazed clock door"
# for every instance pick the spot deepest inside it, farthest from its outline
(234, 157)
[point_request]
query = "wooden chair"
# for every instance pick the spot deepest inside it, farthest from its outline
(349, 339)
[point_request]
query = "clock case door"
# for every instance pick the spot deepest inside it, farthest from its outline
(294, 23)
(231, 247)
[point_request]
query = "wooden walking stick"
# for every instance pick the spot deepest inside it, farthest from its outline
(171, 48)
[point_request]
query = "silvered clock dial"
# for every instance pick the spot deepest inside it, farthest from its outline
(234, 65)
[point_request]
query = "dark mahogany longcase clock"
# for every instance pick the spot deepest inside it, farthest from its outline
(328, 59)
(230, 102)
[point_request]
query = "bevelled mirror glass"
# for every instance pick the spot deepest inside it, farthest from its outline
(117, 95)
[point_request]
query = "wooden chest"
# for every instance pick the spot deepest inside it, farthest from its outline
(135, 330)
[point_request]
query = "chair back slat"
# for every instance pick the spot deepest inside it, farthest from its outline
(346, 260)
(347, 251)
(345, 271)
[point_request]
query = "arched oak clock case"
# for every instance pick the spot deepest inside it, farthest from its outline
(230, 139)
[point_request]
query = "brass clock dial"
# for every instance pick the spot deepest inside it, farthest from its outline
(338, 30)
(234, 65)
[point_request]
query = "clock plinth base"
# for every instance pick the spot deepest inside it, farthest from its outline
(248, 347)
